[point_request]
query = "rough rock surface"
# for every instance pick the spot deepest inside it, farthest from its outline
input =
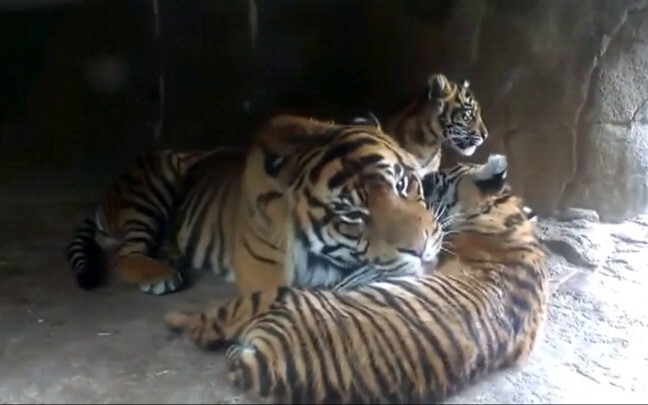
(59, 344)
(564, 90)
(578, 241)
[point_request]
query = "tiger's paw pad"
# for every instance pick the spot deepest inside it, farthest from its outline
(166, 286)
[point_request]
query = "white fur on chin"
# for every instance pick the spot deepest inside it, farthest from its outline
(468, 151)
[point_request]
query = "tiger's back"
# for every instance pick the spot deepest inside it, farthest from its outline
(401, 340)
(128, 225)
(207, 214)
(404, 340)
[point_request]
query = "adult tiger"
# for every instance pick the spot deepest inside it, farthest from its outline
(308, 202)
(125, 231)
(443, 112)
(407, 339)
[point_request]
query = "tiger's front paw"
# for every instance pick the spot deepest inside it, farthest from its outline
(202, 330)
(167, 286)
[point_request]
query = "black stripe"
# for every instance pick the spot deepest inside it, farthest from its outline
(255, 300)
(139, 225)
(383, 381)
(263, 370)
(409, 314)
(452, 374)
(323, 329)
(224, 196)
(358, 377)
(353, 168)
(339, 328)
(300, 318)
(244, 382)
(481, 318)
(141, 206)
(337, 152)
(402, 307)
(141, 240)
(273, 328)
(388, 323)
(196, 220)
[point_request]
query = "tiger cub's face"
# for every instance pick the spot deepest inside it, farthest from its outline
(468, 190)
(361, 201)
(454, 113)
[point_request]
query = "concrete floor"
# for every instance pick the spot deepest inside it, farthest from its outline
(59, 344)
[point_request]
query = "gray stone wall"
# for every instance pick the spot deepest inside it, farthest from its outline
(564, 86)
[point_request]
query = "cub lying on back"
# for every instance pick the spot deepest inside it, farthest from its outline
(402, 339)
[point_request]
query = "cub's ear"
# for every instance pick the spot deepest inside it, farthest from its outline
(491, 177)
(438, 87)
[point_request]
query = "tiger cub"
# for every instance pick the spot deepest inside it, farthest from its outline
(442, 112)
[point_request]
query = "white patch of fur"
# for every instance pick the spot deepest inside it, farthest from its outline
(468, 151)
(529, 211)
(360, 121)
(298, 272)
(305, 274)
(371, 120)
(496, 164)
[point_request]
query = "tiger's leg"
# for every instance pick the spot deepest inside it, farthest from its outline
(210, 329)
(136, 263)
(170, 253)
(153, 276)
(257, 269)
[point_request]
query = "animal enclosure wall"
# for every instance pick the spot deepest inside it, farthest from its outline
(88, 85)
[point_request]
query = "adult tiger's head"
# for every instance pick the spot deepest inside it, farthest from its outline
(353, 195)
(468, 189)
(451, 111)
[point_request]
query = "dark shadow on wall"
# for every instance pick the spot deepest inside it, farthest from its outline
(81, 81)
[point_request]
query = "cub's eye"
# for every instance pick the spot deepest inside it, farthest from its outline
(402, 184)
(353, 217)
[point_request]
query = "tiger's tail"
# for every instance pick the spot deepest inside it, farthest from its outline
(86, 256)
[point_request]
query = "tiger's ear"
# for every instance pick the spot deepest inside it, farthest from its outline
(438, 87)
(491, 177)
(284, 138)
